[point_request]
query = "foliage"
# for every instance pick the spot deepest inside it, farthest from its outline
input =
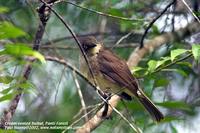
(13, 53)
(50, 93)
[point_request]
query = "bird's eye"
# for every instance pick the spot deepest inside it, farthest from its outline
(85, 47)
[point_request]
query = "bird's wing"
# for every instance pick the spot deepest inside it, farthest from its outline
(116, 70)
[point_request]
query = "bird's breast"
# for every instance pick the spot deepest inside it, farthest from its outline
(104, 84)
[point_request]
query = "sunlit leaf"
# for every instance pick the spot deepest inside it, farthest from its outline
(8, 30)
(17, 49)
(5, 91)
(27, 85)
(20, 49)
(196, 51)
(152, 65)
(39, 56)
(162, 61)
(135, 69)
(177, 52)
(6, 79)
(3, 10)
(6, 97)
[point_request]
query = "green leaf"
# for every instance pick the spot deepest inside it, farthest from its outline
(187, 64)
(6, 97)
(155, 30)
(39, 56)
(20, 49)
(6, 79)
(175, 105)
(177, 52)
(3, 10)
(162, 61)
(148, 85)
(17, 49)
(8, 131)
(161, 82)
(170, 119)
(181, 72)
(196, 51)
(134, 106)
(8, 30)
(5, 91)
(125, 25)
(135, 69)
(173, 129)
(152, 64)
(26, 85)
(115, 12)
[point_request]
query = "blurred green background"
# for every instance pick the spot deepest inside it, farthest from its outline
(50, 93)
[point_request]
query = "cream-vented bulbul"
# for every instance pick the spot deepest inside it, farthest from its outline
(113, 75)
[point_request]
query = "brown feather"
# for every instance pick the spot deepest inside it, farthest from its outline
(118, 72)
(117, 69)
(113, 75)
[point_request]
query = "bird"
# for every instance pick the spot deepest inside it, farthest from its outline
(113, 75)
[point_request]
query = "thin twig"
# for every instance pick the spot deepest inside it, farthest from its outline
(173, 17)
(64, 62)
(195, 16)
(57, 87)
(134, 127)
(103, 14)
(80, 95)
(153, 21)
(89, 112)
(85, 35)
(87, 108)
(121, 39)
(129, 45)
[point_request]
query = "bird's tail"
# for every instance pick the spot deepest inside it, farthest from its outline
(150, 107)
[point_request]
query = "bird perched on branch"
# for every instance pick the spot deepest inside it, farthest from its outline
(113, 75)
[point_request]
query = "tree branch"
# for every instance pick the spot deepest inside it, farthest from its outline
(134, 59)
(103, 14)
(123, 45)
(153, 21)
(44, 14)
(168, 37)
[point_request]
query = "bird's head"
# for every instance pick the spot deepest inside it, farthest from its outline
(90, 45)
